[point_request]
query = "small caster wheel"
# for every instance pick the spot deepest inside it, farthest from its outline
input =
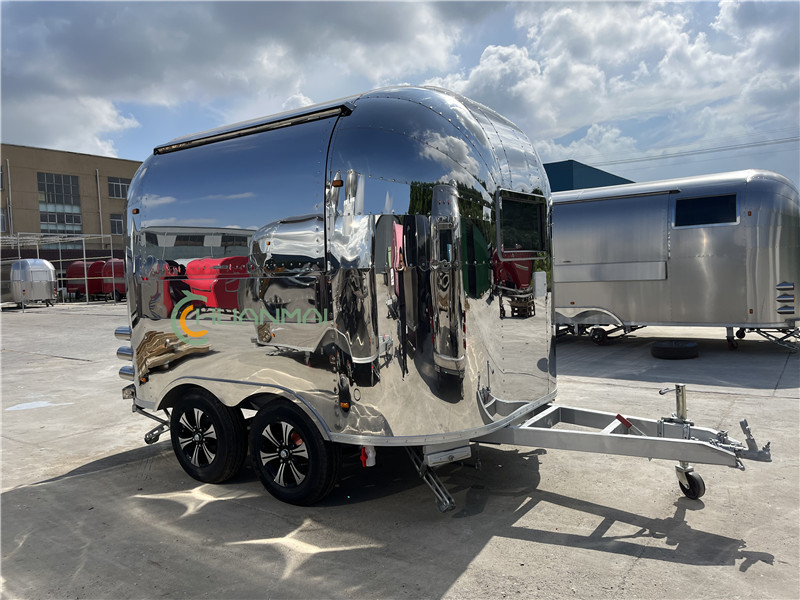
(598, 336)
(740, 334)
(696, 486)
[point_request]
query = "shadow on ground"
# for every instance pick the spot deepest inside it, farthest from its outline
(134, 525)
(755, 364)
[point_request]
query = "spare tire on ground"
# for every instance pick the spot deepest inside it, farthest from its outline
(674, 349)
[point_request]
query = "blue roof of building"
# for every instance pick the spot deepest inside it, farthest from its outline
(572, 175)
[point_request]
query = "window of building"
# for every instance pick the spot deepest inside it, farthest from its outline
(118, 187)
(233, 240)
(3, 228)
(189, 240)
(2, 185)
(59, 198)
(117, 224)
(711, 210)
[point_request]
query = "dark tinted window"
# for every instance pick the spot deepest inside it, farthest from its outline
(234, 240)
(522, 225)
(711, 210)
(189, 240)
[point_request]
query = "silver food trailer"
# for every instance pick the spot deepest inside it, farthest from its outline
(713, 250)
(365, 314)
(33, 280)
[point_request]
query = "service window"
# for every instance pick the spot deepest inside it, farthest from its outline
(523, 223)
(709, 210)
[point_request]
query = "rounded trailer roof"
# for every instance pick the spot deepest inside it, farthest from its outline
(503, 150)
(674, 185)
(23, 268)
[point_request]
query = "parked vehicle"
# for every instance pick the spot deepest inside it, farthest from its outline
(114, 279)
(32, 280)
(394, 198)
(217, 279)
(713, 250)
(85, 278)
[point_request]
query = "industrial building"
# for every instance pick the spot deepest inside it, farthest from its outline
(61, 206)
(571, 175)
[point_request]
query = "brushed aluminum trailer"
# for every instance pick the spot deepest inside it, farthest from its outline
(372, 223)
(32, 280)
(713, 250)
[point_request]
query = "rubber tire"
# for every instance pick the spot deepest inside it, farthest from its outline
(321, 470)
(675, 349)
(598, 336)
(697, 486)
(230, 449)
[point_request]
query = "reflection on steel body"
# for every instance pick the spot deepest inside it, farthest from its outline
(340, 258)
(341, 270)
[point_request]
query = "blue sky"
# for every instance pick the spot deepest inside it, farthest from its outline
(644, 90)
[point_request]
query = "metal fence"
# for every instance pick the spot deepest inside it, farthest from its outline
(61, 249)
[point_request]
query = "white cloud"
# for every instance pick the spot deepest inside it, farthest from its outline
(599, 141)
(153, 200)
(74, 123)
(635, 77)
(241, 60)
(676, 71)
(297, 100)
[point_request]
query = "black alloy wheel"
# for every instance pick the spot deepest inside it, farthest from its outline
(294, 463)
(209, 438)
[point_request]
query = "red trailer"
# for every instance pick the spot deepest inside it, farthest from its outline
(217, 279)
(513, 280)
(114, 278)
(514, 274)
(77, 278)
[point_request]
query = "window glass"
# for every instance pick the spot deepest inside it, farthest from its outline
(711, 210)
(59, 194)
(117, 227)
(233, 240)
(118, 187)
(189, 240)
(522, 224)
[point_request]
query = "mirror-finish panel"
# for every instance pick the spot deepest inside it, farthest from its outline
(351, 264)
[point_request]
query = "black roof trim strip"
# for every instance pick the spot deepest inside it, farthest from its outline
(341, 110)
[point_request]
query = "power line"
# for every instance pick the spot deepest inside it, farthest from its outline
(700, 151)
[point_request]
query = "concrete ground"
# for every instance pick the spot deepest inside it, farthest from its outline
(90, 511)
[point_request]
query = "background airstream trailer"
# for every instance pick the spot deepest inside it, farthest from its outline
(332, 193)
(32, 280)
(714, 250)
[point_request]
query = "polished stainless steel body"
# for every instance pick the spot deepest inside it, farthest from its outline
(713, 250)
(373, 271)
(339, 257)
(32, 280)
